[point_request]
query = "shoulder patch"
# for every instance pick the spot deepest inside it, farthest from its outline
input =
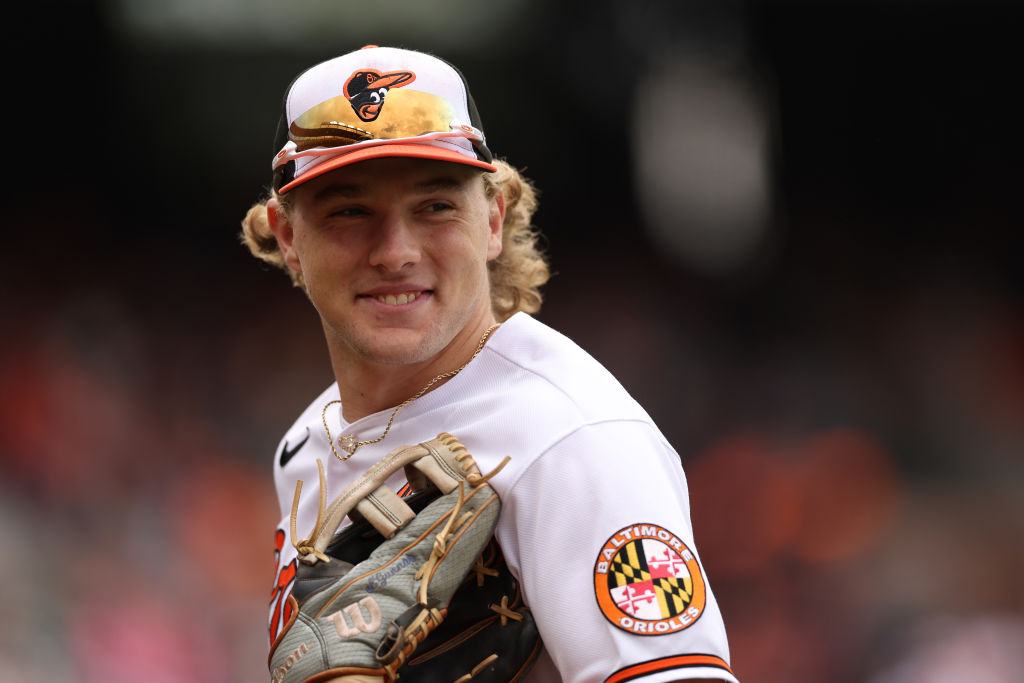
(647, 581)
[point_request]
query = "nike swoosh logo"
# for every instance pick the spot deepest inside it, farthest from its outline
(288, 453)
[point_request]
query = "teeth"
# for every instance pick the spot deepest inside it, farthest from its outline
(399, 299)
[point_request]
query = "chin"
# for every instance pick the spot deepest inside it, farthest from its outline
(398, 357)
(414, 348)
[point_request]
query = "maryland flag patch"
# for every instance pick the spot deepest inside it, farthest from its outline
(648, 582)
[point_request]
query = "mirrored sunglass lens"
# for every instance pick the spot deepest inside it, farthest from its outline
(399, 113)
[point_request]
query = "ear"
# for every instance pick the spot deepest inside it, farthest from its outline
(279, 224)
(495, 220)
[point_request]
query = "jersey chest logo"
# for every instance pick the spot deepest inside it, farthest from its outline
(288, 453)
(647, 581)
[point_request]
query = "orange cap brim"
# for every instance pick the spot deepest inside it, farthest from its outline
(414, 151)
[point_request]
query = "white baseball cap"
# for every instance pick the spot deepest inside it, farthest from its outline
(371, 103)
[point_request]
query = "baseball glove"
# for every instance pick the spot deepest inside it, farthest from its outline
(414, 586)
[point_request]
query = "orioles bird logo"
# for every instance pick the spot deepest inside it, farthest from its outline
(366, 90)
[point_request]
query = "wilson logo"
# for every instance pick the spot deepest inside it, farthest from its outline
(282, 671)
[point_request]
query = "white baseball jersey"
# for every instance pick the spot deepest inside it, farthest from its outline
(595, 517)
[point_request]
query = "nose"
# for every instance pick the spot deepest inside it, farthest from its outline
(395, 244)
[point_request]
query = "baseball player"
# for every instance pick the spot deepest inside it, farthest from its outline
(414, 245)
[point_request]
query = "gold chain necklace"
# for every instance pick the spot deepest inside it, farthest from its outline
(349, 443)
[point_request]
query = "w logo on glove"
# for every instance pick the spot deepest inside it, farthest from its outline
(355, 616)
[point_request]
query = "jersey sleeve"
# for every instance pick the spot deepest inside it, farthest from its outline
(602, 540)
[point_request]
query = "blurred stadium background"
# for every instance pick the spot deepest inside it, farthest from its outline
(792, 229)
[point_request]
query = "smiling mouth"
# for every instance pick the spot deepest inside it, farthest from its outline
(398, 299)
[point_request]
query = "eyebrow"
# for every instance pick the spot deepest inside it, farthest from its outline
(440, 183)
(337, 191)
(350, 190)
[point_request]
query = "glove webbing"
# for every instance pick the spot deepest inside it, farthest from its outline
(418, 629)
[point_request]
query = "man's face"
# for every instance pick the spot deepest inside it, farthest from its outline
(394, 255)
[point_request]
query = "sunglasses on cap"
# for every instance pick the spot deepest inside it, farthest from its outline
(410, 116)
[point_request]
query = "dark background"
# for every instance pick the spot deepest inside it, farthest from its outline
(847, 398)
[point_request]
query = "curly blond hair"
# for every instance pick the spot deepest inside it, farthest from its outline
(516, 275)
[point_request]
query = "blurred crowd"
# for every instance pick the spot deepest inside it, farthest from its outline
(855, 482)
(848, 403)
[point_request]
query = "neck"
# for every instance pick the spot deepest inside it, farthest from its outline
(368, 387)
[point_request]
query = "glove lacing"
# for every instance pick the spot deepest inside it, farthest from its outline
(455, 522)
(430, 616)
(305, 546)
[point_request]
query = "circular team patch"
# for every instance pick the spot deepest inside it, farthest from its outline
(648, 582)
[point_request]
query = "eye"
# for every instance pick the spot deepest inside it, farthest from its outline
(347, 212)
(375, 97)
